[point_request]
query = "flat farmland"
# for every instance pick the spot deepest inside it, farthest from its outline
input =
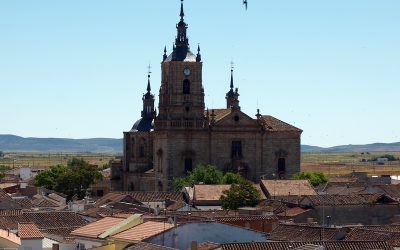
(45, 160)
(344, 163)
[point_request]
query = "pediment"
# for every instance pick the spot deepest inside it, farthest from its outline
(236, 118)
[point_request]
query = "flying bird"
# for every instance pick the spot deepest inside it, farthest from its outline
(245, 3)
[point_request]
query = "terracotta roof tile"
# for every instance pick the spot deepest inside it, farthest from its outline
(209, 192)
(285, 187)
(155, 196)
(219, 113)
(292, 232)
(340, 200)
(143, 231)
(96, 228)
(329, 245)
(272, 124)
(291, 212)
(29, 231)
(55, 219)
(358, 234)
(147, 246)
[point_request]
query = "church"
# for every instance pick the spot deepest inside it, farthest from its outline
(183, 133)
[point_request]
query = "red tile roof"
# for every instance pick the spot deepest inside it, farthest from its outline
(209, 192)
(29, 231)
(288, 187)
(292, 232)
(273, 124)
(148, 246)
(358, 234)
(329, 245)
(143, 231)
(342, 200)
(94, 229)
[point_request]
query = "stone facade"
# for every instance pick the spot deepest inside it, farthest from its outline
(184, 134)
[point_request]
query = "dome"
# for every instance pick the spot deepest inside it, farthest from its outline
(143, 125)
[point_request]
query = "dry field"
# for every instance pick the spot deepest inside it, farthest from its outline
(344, 163)
(44, 160)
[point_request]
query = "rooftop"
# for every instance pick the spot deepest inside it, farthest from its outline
(143, 231)
(29, 231)
(288, 187)
(94, 229)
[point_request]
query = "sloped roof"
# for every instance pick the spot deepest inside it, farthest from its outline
(284, 187)
(391, 190)
(143, 231)
(209, 192)
(341, 200)
(329, 245)
(29, 231)
(293, 232)
(291, 212)
(143, 196)
(11, 237)
(94, 229)
(220, 113)
(55, 219)
(358, 234)
(147, 246)
(273, 124)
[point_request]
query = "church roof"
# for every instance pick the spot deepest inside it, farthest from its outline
(219, 113)
(143, 125)
(273, 124)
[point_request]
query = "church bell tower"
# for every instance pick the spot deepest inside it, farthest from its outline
(181, 97)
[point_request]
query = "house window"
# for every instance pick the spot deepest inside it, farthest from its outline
(186, 86)
(236, 149)
(188, 165)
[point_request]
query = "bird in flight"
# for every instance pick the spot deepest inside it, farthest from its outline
(245, 3)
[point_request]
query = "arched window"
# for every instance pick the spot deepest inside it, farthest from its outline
(281, 167)
(186, 86)
(188, 165)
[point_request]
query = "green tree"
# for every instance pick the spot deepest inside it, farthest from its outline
(201, 174)
(231, 178)
(2, 175)
(75, 178)
(244, 194)
(315, 178)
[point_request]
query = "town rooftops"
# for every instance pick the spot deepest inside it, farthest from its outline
(343, 200)
(209, 192)
(143, 231)
(293, 232)
(29, 231)
(279, 188)
(9, 239)
(94, 229)
(328, 245)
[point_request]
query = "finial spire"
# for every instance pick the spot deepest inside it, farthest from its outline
(231, 75)
(165, 53)
(148, 79)
(182, 14)
(198, 56)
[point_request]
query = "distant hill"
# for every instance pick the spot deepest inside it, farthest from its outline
(109, 145)
(95, 145)
(374, 147)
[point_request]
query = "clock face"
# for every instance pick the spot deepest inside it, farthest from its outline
(186, 71)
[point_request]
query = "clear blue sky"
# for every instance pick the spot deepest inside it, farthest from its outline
(78, 68)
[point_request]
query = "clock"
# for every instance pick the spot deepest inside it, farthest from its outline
(186, 71)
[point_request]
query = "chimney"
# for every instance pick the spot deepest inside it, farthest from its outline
(193, 245)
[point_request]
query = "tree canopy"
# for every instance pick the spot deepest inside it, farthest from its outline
(206, 175)
(243, 194)
(315, 178)
(75, 178)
